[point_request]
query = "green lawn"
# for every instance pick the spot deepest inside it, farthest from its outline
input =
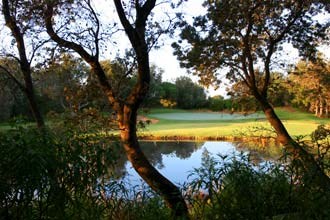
(177, 123)
(209, 124)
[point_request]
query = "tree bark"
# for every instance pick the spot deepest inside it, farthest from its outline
(153, 178)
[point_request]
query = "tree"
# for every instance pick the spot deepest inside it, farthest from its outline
(155, 91)
(278, 92)
(168, 94)
(219, 103)
(243, 100)
(309, 84)
(136, 30)
(64, 84)
(189, 94)
(246, 37)
(20, 30)
(13, 100)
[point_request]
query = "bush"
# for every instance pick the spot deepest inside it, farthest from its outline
(235, 189)
(43, 175)
(68, 175)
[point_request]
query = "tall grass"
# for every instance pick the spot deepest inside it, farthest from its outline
(49, 175)
(232, 188)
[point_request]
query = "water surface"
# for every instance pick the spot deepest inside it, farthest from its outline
(175, 160)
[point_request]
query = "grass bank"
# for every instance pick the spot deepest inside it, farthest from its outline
(177, 124)
(183, 125)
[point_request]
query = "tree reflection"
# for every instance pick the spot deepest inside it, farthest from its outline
(260, 152)
(155, 151)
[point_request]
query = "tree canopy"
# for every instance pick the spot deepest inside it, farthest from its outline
(309, 84)
(246, 37)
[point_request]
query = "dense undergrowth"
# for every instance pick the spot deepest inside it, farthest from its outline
(65, 175)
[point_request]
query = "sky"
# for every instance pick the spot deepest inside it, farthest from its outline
(164, 57)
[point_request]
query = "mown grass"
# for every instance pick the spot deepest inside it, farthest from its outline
(297, 122)
(205, 126)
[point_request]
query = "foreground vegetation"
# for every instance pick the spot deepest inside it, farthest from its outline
(298, 123)
(62, 175)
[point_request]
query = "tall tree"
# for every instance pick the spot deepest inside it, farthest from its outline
(20, 30)
(246, 36)
(309, 83)
(66, 84)
(189, 94)
(126, 109)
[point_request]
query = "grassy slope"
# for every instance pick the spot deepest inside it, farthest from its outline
(298, 123)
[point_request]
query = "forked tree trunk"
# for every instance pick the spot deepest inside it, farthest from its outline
(153, 178)
(127, 109)
(292, 147)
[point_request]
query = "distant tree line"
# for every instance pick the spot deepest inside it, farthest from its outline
(67, 85)
(304, 86)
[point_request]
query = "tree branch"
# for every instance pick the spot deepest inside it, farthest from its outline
(12, 77)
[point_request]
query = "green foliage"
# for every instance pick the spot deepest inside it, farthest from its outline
(67, 175)
(309, 86)
(13, 100)
(189, 94)
(232, 188)
(218, 103)
(44, 175)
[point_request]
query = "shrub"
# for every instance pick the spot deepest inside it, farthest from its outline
(235, 189)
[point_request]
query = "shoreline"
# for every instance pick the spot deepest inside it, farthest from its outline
(207, 138)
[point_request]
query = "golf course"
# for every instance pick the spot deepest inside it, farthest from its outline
(205, 125)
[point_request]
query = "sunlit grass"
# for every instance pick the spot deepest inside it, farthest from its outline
(202, 125)
(298, 123)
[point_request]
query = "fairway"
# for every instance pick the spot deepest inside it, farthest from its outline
(174, 123)
(204, 116)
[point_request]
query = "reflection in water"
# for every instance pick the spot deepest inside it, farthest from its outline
(260, 153)
(176, 159)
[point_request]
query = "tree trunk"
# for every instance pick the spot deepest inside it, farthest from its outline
(296, 150)
(321, 108)
(157, 182)
(127, 109)
(34, 108)
(30, 94)
(18, 35)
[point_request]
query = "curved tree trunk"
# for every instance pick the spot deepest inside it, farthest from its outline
(127, 109)
(149, 173)
(291, 146)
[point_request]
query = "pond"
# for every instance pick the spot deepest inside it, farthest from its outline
(175, 160)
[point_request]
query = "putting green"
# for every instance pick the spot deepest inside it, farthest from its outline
(204, 116)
